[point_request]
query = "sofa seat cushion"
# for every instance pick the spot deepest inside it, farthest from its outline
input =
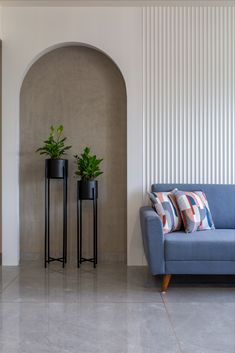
(209, 245)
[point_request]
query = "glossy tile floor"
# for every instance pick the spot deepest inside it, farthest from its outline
(113, 309)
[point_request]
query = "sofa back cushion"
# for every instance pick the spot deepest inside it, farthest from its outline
(221, 199)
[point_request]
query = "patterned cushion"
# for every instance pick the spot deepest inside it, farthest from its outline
(194, 210)
(166, 207)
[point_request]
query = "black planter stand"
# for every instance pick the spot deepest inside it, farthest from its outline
(55, 169)
(86, 190)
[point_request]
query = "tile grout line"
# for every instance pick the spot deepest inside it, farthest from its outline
(172, 325)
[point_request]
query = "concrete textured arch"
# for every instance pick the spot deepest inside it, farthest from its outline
(63, 45)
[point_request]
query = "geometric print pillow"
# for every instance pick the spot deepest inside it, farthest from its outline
(166, 207)
(194, 210)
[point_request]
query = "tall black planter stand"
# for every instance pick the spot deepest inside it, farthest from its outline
(55, 169)
(86, 190)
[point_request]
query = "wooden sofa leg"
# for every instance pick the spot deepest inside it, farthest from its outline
(165, 283)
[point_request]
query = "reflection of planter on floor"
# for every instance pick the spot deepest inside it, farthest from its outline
(88, 189)
(56, 168)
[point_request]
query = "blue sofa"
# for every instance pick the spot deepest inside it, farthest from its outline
(204, 252)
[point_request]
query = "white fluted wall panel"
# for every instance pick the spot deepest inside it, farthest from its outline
(189, 94)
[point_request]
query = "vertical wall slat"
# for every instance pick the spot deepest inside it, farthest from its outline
(188, 94)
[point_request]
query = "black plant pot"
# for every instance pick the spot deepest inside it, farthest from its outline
(88, 190)
(56, 168)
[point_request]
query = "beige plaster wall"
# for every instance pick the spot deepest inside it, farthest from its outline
(82, 89)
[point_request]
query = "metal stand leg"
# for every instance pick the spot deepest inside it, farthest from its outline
(47, 257)
(80, 230)
(94, 233)
(46, 224)
(78, 225)
(48, 220)
(96, 242)
(95, 228)
(64, 221)
(81, 259)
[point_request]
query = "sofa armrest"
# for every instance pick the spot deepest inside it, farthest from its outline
(153, 239)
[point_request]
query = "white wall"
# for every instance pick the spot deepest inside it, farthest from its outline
(183, 131)
(27, 33)
(189, 94)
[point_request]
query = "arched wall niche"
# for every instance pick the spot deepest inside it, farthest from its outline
(115, 31)
(80, 87)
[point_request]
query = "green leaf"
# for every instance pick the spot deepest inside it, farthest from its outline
(88, 166)
(54, 145)
(60, 129)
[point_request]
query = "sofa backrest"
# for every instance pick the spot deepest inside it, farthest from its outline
(221, 199)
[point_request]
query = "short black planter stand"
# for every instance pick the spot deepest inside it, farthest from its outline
(55, 169)
(89, 191)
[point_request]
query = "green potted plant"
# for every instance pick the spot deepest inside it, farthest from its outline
(54, 147)
(88, 169)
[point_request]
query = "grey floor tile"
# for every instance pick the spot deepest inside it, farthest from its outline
(24, 347)
(86, 327)
(203, 294)
(111, 309)
(111, 284)
(7, 275)
(204, 327)
(189, 348)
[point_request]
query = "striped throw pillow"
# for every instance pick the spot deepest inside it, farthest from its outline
(166, 207)
(194, 210)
